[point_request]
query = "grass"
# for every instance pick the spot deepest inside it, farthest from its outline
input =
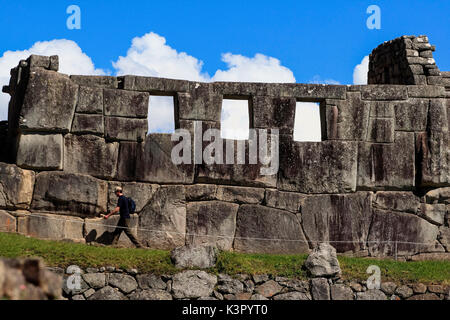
(63, 254)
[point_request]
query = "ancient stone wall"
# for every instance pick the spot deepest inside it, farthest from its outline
(378, 183)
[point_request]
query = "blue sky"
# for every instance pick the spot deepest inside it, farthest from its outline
(270, 41)
(311, 38)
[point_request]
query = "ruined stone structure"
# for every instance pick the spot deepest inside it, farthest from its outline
(377, 185)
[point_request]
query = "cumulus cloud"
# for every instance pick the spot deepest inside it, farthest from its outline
(318, 80)
(360, 71)
(150, 55)
(71, 61)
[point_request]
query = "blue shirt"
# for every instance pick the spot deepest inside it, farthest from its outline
(122, 203)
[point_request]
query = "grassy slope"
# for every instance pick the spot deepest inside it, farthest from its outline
(63, 254)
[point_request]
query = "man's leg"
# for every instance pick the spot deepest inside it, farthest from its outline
(130, 234)
(118, 231)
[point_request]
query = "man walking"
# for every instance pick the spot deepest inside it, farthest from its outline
(124, 221)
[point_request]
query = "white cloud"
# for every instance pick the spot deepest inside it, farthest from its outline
(360, 71)
(71, 61)
(318, 80)
(307, 122)
(150, 55)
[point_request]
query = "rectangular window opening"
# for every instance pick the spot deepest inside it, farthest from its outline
(235, 121)
(307, 125)
(161, 114)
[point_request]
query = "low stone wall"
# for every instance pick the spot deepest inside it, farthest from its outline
(115, 284)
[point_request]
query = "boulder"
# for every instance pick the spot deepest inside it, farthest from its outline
(162, 222)
(40, 151)
(341, 292)
(150, 294)
(212, 223)
(320, 289)
(373, 294)
(124, 282)
(343, 220)
(425, 296)
(194, 256)
(323, 262)
(268, 289)
(95, 280)
(317, 167)
(150, 281)
(78, 194)
(404, 292)
(193, 284)
(292, 296)
(267, 230)
(49, 102)
(92, 155)
(107, 293)
(101, 230)
(230, 286)
(16, 187)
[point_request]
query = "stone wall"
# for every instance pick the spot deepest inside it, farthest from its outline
(109, 283)
(377, 185)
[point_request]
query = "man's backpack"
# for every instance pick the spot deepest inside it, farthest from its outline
(131, 205)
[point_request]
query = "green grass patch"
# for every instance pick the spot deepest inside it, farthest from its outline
(63, 254)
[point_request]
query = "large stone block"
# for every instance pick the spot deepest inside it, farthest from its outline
(274, 113)
(40, 151)
(162, 223)
(425, 91)
(381, 130)
(387, 165)
(125, 103)
(397, 201)
(90, 100)
(212, 223)
(16, 187)
(141, 193)
(240, 194)
(75, 193)
(201, 192)
(101, 230)
(96, 81)
(341, 220)
(262, 229)
(54, 227)
(127, 162)
(289, 201)
(119, 128)
(7, 222)
(88, 123)
(317, 167)
(347, 119)
(154, 162)
(89, 154)
(49, 102)
(412, 234)
(202, 103)
(411, 115)
(155, 85)
(384, 92)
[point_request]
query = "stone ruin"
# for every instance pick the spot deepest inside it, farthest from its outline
(377, 185)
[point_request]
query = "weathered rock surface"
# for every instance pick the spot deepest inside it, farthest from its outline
(150, 294)
(88, 123)
(323, 262)
(16, 187)
(101, 230)
(194, 256)
(124, 282)
(76, 193)
(162, 223)
(341, 292)
(263, 229)
(40, 151)
(212, 223)
(372, 294)
(193, 284)
(320, 289)
(107, 293)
